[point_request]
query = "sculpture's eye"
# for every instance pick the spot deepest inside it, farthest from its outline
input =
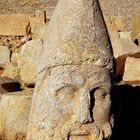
(66, 91)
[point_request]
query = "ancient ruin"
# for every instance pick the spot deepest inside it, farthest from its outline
(72, 93)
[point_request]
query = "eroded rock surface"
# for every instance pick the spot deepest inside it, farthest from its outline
(72, 93)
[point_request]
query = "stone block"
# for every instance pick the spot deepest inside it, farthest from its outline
(15, 24)
(132, 71)
(123, 48)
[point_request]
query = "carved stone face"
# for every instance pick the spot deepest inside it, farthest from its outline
(66, 104)
(72, 93)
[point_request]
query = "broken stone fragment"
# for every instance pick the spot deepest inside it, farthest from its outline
(14, 115)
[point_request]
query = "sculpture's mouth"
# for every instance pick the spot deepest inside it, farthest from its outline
(80, 133)
(81, 138)
(86, 130)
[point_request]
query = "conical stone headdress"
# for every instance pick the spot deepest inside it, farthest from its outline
(76, 33)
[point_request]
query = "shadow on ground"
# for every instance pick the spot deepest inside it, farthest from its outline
(126, 111)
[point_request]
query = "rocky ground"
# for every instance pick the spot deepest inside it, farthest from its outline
(19, 52)
(124, 8)
(24, 6)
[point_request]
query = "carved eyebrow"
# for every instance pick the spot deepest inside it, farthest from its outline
(66, 85)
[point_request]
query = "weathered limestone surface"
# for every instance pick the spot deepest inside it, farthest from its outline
(14, 115)
(123, 48)
(132, 70)
(72, 93)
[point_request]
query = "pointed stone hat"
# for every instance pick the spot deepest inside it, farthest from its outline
(76, 34)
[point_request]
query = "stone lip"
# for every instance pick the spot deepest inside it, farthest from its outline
(85, 130)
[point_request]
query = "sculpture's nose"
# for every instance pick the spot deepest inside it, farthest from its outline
(83, 114)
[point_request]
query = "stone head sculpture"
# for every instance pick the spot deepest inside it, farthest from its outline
(72, 93)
